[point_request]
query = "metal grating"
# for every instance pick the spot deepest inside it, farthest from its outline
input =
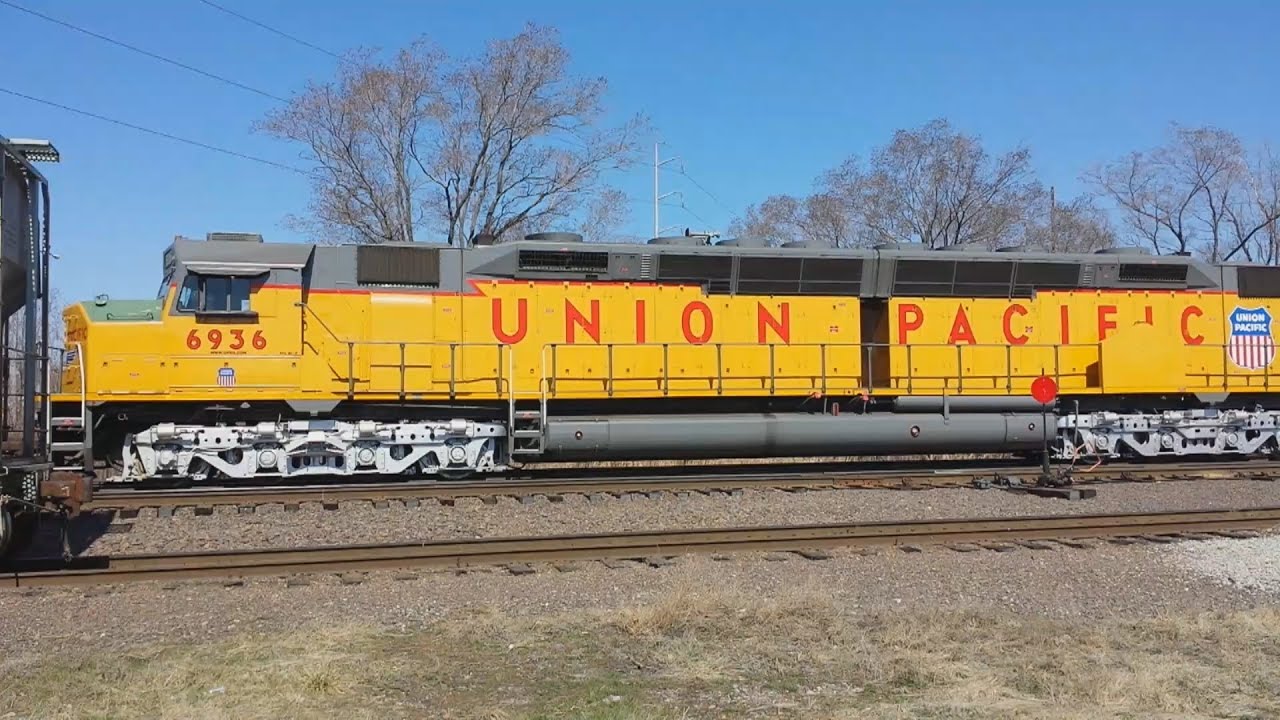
(1258, 282)
(572, 261)
(713, 271)
(397, 265)
(1032, 276)
(1153, 274)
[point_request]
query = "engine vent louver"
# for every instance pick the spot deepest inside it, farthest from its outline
(1258, 282)
(570, 261)
(713, 271)
(387, 265)
(1153, 273)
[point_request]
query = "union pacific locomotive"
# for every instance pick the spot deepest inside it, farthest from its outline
(281, 360)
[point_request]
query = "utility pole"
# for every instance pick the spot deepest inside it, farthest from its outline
(657, 198)
(1053, 221)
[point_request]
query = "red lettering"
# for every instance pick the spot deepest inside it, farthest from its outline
(1105, 321)
(573, 319)
(1187, 313)
(961, 329)
(1149, 316)
(1064, 316)
(904, 325)
(764, 321)
(1009, 312)
(522, 322)
(640, 322)
(686, 322)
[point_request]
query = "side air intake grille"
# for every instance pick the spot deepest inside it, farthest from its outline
(713, 271)
(1031, 276)
(1259, 282)
(573, 261)
(1152, 273)
(386, 265)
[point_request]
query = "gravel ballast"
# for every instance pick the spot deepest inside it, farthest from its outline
(1106, 580)
(1251, 564)
(272, 526)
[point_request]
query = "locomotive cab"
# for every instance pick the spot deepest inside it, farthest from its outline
(225, 322)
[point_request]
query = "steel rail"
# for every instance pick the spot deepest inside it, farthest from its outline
(646, 544)
(911, 478)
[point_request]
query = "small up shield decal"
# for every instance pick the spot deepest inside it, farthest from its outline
(1250, 345)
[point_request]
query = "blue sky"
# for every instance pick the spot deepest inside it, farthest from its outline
(756, 97)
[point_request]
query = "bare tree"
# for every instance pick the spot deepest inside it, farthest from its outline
(1078, 226)
(426, 143)
(1253, 215)
(1198, 192)
(932, 184)
(940, 187)
(785, 218)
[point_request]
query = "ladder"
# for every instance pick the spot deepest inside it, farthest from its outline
(526, 433)
(526, 424)
(70, 442)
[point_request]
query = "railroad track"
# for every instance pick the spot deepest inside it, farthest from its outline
(1012, 475)
(807, 540)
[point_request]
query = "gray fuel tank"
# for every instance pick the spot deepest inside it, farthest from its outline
(658, 437)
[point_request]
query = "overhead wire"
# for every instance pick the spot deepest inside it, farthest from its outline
(147, 53)
(681, 171)
(157, 133)
(268, 28)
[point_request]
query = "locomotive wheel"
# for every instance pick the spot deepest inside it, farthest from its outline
(456, 474)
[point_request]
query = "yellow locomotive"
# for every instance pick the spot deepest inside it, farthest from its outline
(260, 360)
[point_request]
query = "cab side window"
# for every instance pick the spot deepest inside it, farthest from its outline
(189, 294)
(215, 294)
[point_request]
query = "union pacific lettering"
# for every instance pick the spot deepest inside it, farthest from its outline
(1014, 331)
(583, 322)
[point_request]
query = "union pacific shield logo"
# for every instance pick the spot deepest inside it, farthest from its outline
(1250, 345)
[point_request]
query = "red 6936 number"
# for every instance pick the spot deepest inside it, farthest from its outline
(231, 339)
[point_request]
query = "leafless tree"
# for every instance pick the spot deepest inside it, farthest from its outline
(931, 184)
(1077, 226)
(1198, 192)
(427, 143)
(1253, 215)
(821, 217)
(940, 187)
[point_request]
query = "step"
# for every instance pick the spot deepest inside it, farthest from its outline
(526, 451)
(66, 446)
(527, 433)
(528, 414)
(67, 422)
(68, 468)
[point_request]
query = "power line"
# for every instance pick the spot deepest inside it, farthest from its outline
(140, 51)
(698, 185)
(268, 28)
(149, 131)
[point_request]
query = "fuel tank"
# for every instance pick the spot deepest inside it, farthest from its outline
(659, 437)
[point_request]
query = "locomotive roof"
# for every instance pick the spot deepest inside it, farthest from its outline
(868, 272)
(235, 255)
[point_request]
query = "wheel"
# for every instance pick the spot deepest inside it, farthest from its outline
(456, 474)
(7, 531)
(17, 530)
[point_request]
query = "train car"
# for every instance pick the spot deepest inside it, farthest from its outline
(281, 360)
(28, 484)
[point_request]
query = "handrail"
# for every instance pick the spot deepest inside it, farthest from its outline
(307, 309)
(955, 379)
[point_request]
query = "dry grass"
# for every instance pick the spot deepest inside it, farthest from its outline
(693, 654)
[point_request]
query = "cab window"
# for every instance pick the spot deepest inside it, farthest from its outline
(215, 294)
